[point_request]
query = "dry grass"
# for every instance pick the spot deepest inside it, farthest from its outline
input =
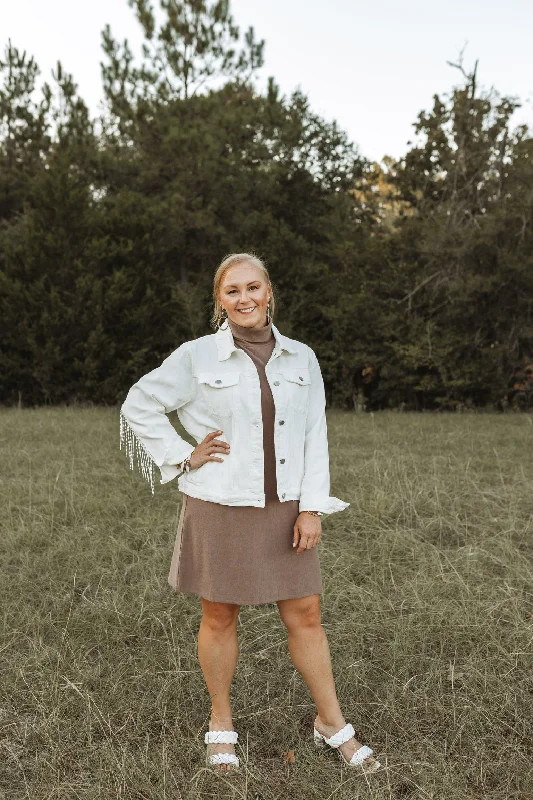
(427, 605)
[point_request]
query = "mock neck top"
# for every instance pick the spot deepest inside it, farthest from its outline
(246, 334)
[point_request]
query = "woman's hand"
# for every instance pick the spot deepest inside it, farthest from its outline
(307, 529)
(203, 452)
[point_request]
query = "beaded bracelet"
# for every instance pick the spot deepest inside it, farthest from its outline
(314, 513)
(184, 465)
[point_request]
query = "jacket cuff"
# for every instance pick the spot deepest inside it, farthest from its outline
(327, 505)
(168, 473)
(175, 454)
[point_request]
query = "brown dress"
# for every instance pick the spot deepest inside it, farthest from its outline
(244, 554)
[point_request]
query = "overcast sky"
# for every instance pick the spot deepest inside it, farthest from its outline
(372, 66)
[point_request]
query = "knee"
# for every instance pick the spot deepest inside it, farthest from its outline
(302, 612)
(219, 617)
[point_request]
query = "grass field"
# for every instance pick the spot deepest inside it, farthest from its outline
(427, 604)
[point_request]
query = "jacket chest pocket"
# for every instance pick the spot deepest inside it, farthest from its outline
(296, 382)
(219, 390)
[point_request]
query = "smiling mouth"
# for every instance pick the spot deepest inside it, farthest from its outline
(245, 310)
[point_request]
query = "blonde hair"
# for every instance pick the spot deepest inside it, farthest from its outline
(230, 261)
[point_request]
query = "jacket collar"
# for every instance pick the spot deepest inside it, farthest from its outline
(226, 345)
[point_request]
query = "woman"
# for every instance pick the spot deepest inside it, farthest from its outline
(255, 487)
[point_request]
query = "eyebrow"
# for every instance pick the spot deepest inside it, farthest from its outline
(234, 285)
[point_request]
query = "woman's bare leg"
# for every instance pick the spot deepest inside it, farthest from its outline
(218, 651)
(310, 654)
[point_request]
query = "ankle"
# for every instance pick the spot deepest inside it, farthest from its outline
(334, 721)
(222, 719)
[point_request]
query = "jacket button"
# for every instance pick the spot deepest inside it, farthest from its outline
(276, 383)
(282, 461)
(282, 422)
(218, 380)
(283, 495)
(300, 377)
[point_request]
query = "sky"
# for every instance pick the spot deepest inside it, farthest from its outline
(371, 66)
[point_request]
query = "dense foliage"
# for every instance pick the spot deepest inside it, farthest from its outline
(412, 280)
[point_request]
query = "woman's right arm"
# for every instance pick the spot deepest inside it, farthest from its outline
(145, 430)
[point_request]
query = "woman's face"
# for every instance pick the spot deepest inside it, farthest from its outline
(244, 292)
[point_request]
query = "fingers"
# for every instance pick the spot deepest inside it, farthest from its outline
(212, 442)
(218, 445)
(211, 435)
(210, 445)
(210, 438)
(304, 541)
(307, 544)
(295, 536)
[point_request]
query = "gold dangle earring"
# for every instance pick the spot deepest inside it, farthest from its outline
(268, 312)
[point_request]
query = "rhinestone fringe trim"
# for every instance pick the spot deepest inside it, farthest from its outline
(136, 449)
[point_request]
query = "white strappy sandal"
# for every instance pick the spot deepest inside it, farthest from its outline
(221, 737)
(339, 738)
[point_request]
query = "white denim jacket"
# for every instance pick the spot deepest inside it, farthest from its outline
(213, 385)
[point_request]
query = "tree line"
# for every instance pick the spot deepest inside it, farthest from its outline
(412, 279)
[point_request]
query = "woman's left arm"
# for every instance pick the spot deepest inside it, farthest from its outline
(315, 488)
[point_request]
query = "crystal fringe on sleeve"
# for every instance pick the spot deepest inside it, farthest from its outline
(134, 447)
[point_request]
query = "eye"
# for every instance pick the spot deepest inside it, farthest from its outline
(251, 287)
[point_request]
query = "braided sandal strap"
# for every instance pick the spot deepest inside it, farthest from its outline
(341, 736)
(223, 758)
(221, 737)
(360, 755)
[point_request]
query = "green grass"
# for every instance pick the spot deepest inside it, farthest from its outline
(427, 604)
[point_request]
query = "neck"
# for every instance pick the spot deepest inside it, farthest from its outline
(249, 333)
